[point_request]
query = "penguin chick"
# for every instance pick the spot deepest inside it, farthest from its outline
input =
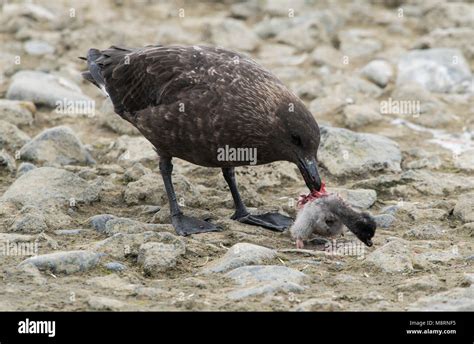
(317, 218)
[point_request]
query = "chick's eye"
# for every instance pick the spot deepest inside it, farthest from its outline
(330, 222)
(296, 140)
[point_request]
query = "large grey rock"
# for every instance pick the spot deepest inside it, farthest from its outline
(66, 262)
(45, 89)
(265, 279)
(344, 152)
(437, 70)
(239, 255)
(18, 113)
(159, 256)
(56, 146)
(12, 138)
(47, 186)
(454, 300)
(464, 208)
(393, 257)
(43, 195)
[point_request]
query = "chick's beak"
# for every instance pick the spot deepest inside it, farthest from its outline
(309, 170)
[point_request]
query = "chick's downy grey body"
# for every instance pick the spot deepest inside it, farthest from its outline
(317, 218)
(326, 216)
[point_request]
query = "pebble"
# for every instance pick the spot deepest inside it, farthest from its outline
(239, 255)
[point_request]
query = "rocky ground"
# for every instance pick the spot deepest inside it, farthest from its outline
(84, 221)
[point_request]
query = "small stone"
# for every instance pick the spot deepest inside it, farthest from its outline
(30, 220)
(378, 71)
(464, 208)
(384, 220)
(66, 262)
(437, 257)
(18, 113)
(98, 222)
(356, 116)
(99, 303)
(7, 162)
(423, 283)
(454, 300)
(327, 55)
(24, 168)
(239, 255)
(465, 160)
(129, 226)
(115, 266)
(319, 305)
(69, 231)
(128, 150)
(38, 48)
(158, 257)
(265, 279)
(425, 232)
(12, 138)
(135, 172)
(225, 31)
(466, 229)
(359, 43)
(359, 198)
(120, 245)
